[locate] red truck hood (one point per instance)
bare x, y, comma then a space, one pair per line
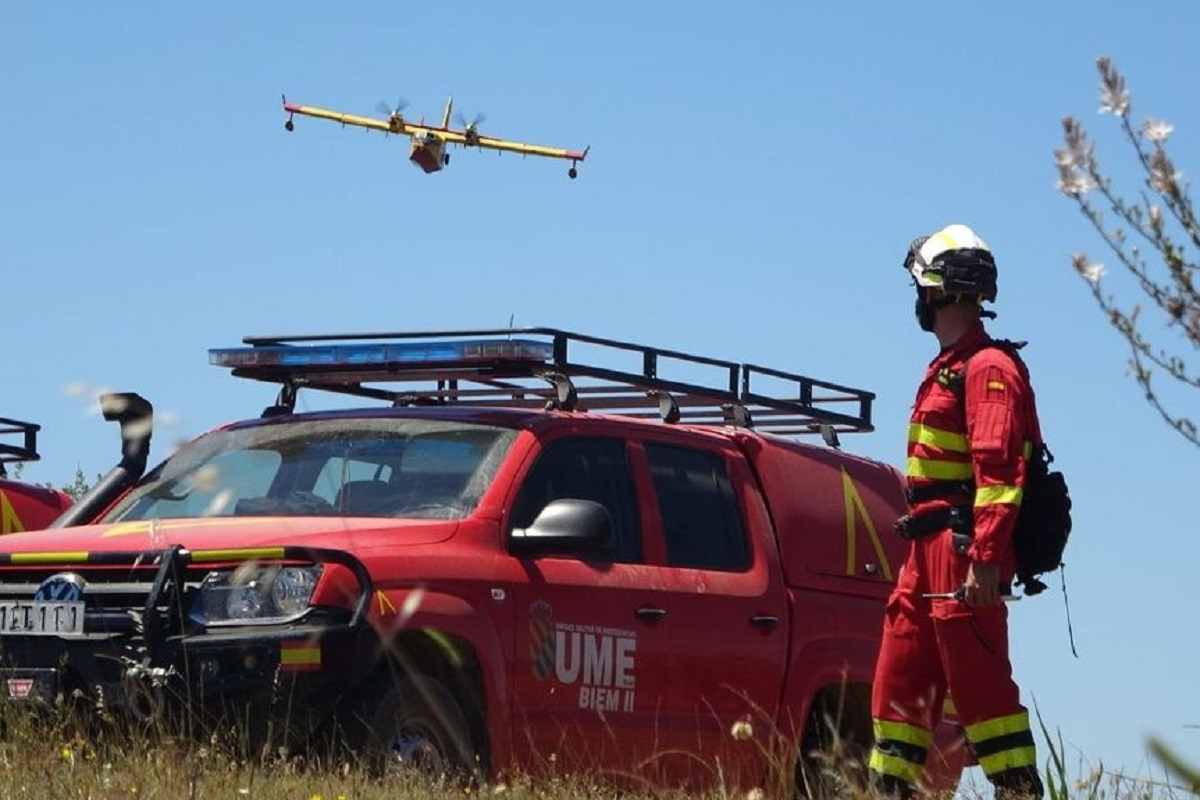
233, 532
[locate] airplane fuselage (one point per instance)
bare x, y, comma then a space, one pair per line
428, 152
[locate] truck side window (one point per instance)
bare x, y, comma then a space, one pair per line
701, 520
585, 468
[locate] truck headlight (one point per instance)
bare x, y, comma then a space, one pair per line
293, 588
255, 593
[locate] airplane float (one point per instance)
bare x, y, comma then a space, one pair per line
428, 143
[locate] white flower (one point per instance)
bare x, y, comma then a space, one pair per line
1157, 130
1114, 100
1090, 272
1114, 97
1163, 177
1073, 181
742, 730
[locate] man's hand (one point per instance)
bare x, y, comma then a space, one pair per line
982, 585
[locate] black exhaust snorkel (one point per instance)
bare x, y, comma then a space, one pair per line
136, 416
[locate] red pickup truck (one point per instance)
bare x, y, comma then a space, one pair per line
24, 506
529, 556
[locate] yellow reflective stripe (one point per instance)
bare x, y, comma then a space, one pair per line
48, 558
896, 767
235, 554
935, 437
1008, 759
938, 470
993, 495
1027, 451
902, 732
1000, 726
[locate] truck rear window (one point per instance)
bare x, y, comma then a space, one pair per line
325, 468
701, 520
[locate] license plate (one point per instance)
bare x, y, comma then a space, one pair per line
29, 685
39, 618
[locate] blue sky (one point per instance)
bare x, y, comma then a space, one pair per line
756, 174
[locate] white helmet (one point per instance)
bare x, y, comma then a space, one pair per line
955, 260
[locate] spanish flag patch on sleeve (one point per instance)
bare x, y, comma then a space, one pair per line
995, 384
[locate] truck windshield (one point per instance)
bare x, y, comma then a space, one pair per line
324, 468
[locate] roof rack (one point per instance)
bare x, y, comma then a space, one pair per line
26, 451
547, 368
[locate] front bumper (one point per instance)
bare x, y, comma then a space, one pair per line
148, 660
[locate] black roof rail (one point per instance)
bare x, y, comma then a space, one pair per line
537, 367
27, 450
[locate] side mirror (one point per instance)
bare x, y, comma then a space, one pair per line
566, 526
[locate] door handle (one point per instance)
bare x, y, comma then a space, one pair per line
766, 622
650, 614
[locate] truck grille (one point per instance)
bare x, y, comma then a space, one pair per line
116, 600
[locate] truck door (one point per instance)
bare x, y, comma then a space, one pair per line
579, 674
721, 637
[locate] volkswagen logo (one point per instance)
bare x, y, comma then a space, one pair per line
65, 587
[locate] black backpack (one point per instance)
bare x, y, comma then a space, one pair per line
1044, 521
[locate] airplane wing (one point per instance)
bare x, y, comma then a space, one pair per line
450, 135
504, 145
345, 119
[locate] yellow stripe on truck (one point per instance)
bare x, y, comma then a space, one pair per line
48, 558
237, 554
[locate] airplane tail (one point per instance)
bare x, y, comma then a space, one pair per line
446, 116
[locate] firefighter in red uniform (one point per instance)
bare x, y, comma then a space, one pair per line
968, 441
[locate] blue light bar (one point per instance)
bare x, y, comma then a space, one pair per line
383, 354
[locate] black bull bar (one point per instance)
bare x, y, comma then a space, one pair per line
162, 630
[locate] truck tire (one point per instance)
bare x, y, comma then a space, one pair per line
835, 747
411, 723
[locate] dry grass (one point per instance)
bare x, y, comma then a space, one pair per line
56, 756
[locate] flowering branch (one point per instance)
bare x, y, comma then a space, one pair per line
1140, 226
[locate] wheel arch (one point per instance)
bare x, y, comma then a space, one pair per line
828, 704
454, 663
449, 641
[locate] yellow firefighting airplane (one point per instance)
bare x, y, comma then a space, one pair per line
428, 149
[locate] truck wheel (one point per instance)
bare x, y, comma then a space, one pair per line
825, 776
411, 724
835, 746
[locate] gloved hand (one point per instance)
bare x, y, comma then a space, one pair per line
982, 585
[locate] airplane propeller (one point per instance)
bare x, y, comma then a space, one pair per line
388, 111
473, 125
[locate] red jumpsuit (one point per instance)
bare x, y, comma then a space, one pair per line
983, 433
